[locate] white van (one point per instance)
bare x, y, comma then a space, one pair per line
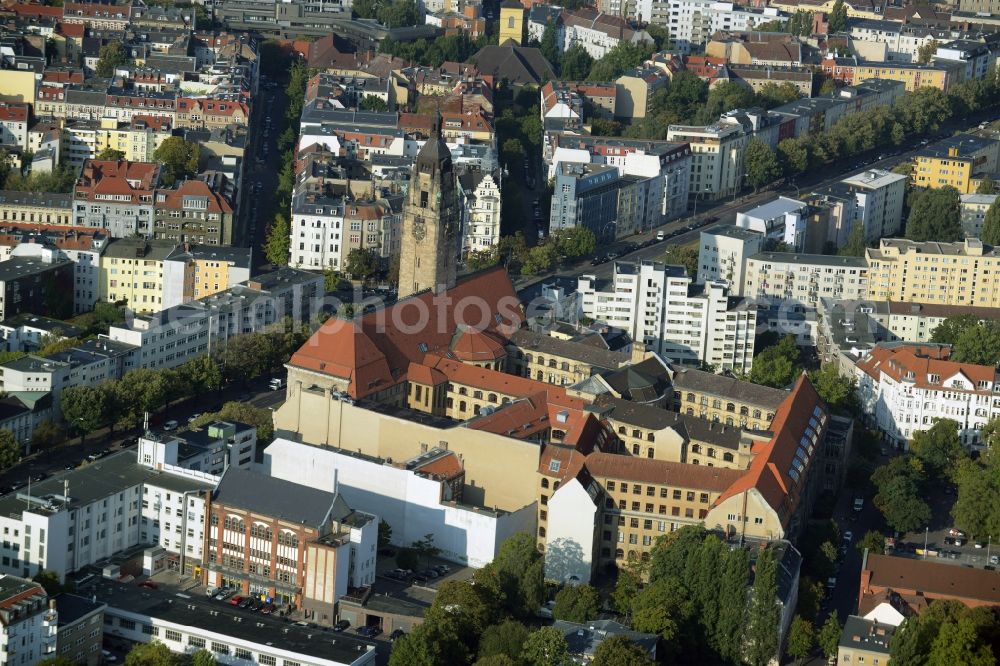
660, 236
276, 384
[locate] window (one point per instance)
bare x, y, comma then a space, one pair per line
196, 643
243, 653
172, 635
267, 660
220, 648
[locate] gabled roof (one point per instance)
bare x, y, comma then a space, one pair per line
633, 468
276, 498
917, 364
780, 466
517, 64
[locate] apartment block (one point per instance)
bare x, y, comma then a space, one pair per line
634, 91
117, 197
192, 272
80, 628
937, 273
723, 251
722, 399
953, 161
41, 285
941, 74
14, 125
586, 195
29, 626
716, 158
193, 213
132, 270
782, 220
785, 278
211, 450
36, 207
904, 388
693, 22
974, 207
658, 305
879, 197
554, 360
295, 544
479, 192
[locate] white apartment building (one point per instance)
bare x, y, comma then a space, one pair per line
716, 157
317, 228
211, 450
693, 22
86, 515
85, 253
879, 195
597, 32
802, 279
479, 193
173, 336
658, 305
14, 125
782, 219
414, 503
905, 388
722, 255
974, 207
28, 626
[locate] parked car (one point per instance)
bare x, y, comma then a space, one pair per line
396, 633
831, 582
238, 600
170, 425
224, 593
545, 610
212, 591
341, 625
268, 609
194, 417
994, 559
109, 658
661, 236
441, 568
956, 532
859, 503
954, 541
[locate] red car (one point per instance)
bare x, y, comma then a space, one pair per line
149, 585
235, 600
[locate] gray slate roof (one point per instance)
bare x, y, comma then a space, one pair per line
728, 387
277, 498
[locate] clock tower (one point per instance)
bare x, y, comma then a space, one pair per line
430, 221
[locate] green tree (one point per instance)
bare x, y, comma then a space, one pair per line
761, 164
496, 660
549, 46
979, 344
873, 542
987, 186
259, 417
201, 374
927, 51
856, 242
49, 582
575, 242
361, 264
151, 654
407, 558
935, 215
46, 436
725, 635
991, 224
577, 603
620, 651
202, 658
838, 17
363, 9
774, 94
793, 156
111, 155
506, 638
384, 534
764, 613
56, 661
915, 637
828, 638
900, 497
469, 607
414, 649
618, 60
109, 57
518, 567
545, 647
949, 330
575, 63
801, 638
278, 243
961, 642
398, 13
85, 407
373, 103
605, 127
939, 447
139, 391
627, 586
538, 259
778, 365
682, 255
179, 159
837, 391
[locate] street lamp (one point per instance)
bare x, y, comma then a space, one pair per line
694, 213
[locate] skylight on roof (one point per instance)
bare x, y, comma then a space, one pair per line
422, 347
554, 465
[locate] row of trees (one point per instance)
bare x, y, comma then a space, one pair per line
62, 179
277, 244
563, 245
450, 48
122, 403
483, 620
390, 13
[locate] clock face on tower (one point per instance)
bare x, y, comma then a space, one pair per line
419, 229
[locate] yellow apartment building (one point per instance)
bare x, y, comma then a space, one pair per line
558, 361
725, 400
953, 162
940, 273
941, 75
138, 139
132, 271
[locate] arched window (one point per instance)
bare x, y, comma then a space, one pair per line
645, 557
730, 407
649, 452
541, 531
690, 397
475, 410
621, 430
461, 406
696, 448
728, 457
462, 391
510, 21
619, 553
635, 449
545, 482
564, 366
650, 438
756, 413
492, 397
690, 411
716, 404
744, 410
711, 453
632, 556
555, 486
552, 363
729, 420
695, 462
478, 395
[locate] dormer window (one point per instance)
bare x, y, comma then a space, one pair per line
934, 379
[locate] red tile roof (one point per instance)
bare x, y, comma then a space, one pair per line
972, 587
375, 351
104, 177
14, 113
74, 30
923, 361
193, 188
645, 470
445, 467
62, 76
769, 472
473, 345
